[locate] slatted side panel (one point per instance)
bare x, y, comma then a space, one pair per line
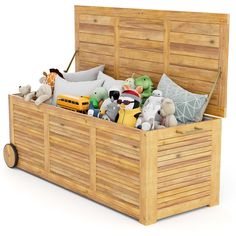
29, 136
95, 41
194, 56
140, 45
117, 169
69, 150
184, 168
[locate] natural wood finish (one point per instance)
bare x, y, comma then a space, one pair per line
215, 165
46, 142
190, 46
10, 155
146, 175
148, 178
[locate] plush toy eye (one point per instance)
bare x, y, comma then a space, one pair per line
144, 79
95, 92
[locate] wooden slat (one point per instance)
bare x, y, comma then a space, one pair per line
97, 58
141, 44
195, 28
96, 48
183, 184
183, 189
184, 148
173, 145
184, 168
153, 14
99, 39
140, 65
180, 138
194, 73
118, 191
191, 152
122, 205
194, 50
182, 195
134, 178
179, 159
183, 179
194, 62
141, 55
183, 207
146, 34
142, 24
102, 173
96, 29
97, 20
77, 166
185, 173
194, 39
184, 199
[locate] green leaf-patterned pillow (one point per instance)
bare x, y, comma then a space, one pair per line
189, 107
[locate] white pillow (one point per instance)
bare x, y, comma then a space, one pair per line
86, 75
109, 81
65, 87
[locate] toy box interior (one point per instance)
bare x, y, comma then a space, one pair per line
146, 175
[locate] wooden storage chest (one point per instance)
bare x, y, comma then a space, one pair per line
146, 175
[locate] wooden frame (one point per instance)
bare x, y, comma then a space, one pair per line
146, 175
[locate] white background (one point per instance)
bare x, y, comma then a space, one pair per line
35, 36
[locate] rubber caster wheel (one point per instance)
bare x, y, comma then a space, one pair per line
10, 155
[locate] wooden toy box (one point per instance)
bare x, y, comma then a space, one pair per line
146, 175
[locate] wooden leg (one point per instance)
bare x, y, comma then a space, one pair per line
215, 172
148, 179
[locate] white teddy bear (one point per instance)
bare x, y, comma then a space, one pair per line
149, 118
24, 90
43, 94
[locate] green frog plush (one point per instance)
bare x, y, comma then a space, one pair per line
96, 99
146, 83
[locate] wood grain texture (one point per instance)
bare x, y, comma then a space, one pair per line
190, 46
146, 175
148, 178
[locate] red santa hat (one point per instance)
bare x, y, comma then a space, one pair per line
132, 94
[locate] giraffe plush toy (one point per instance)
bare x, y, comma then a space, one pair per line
51, 77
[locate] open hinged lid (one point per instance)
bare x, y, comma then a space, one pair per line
189, 47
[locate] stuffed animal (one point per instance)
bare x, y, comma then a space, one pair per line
114, 94
43, 94
51, 77
24, 90
167, 113
130, 110
149, 118
111, 112
130, 82
96, 99
147, 84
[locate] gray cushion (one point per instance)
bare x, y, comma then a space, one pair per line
190, 107
65, 87
86, 75
110, 82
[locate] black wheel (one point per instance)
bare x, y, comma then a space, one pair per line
10, 155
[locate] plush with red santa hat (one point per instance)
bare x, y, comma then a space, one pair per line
129, 102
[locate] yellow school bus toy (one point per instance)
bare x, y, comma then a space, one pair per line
79, 104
